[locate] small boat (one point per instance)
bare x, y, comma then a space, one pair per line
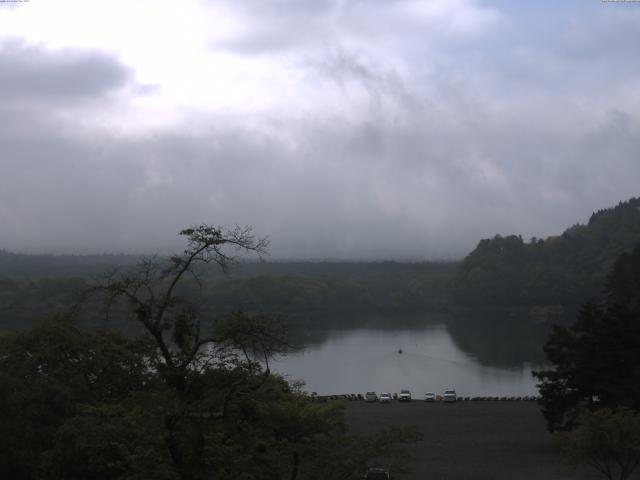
400, 351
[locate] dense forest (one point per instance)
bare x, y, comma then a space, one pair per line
500, 273
569, 269
598, 355
32, 286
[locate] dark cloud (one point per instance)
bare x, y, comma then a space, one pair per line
345, 69
376, 189
409, 145
32, 74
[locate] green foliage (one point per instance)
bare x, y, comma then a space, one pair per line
623, 287
27, 267
107, 441
568, 270
331, 288
47, 372
596, 361
607, 440
178, 403
298, 291
22, 301
82, 404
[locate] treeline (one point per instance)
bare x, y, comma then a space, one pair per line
22, 266
566, 270
501, 272
24, 301
336, 287
294, 290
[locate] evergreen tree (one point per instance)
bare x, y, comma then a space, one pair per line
569, 269
596, 361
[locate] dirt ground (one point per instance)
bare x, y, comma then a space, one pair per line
471, 440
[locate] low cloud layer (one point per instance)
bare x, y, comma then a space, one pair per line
405, 129
30, 74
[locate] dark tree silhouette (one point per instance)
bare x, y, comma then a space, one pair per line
150, 289
596, 361
606, 440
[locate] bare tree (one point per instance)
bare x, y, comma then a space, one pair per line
150, 289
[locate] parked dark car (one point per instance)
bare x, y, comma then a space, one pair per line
384, 398
377, 473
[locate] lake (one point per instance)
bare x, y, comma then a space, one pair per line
476, 360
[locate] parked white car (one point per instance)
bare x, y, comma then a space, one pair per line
405, 396
429, 397
450, 396
370, 397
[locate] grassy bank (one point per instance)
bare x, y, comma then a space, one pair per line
471, 440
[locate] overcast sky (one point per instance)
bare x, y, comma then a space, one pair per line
396, 129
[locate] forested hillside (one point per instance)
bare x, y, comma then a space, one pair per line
280, 288
336, 287
569, 269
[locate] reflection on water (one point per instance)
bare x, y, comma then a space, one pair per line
503, 341
478, 360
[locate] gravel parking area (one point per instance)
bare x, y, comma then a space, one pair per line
471, 440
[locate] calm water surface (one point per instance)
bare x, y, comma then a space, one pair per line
360, 360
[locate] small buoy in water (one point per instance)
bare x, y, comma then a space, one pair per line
400, 351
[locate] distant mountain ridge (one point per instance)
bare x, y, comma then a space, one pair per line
19, 265
569, 269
